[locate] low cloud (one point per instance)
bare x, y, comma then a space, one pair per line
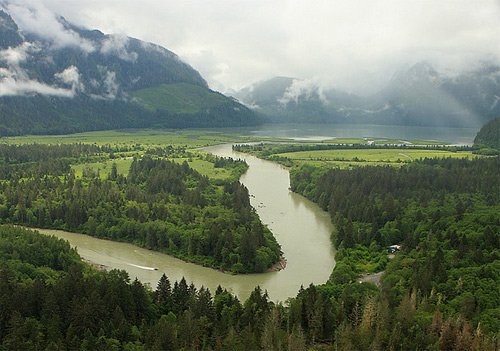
11, 85
110, 84
118, 45
351, 45
14, 56
14, 80
34, 18
303, 88
70, 76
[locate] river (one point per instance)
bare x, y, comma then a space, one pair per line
301, 227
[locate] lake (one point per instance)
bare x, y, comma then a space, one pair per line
460, 136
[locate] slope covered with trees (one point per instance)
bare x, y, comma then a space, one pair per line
489, 135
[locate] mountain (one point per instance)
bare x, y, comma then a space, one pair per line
489, 135
419, 95
283, 99
71, 79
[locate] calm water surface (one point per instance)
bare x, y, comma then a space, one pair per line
460, 136
302, 229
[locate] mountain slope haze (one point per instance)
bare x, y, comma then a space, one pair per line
74, 79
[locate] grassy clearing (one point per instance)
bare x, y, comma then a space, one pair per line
104, 167
344, 164
369, 156
189, 138
123, 166
207, 168
136, 141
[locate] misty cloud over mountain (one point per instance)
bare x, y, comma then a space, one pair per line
47, 55
56, 77
419, 95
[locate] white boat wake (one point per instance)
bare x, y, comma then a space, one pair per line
143, 267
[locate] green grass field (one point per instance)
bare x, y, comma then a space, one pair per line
194, 138
123, 166
145, 137
207, 168
190, 138
363, 157
104, 167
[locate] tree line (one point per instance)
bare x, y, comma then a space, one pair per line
266, 150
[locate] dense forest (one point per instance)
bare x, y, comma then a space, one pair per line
442, 289
439, 292
160, 205
21, 115
50, 300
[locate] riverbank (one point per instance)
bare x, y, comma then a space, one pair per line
101, 267
278, 266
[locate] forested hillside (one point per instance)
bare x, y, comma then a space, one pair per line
489, 135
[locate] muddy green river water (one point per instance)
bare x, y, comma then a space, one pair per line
301, 227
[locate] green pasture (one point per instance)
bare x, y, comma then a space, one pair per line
189, 138
343, 164
207, 168
123, 166
104, 167
145, 137
369, 156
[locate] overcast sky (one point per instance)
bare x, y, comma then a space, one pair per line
350, 44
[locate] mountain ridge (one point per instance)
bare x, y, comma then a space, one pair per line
419, 96
74, 79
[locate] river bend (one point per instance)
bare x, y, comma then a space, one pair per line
302, 229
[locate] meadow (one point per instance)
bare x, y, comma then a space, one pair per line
188, 138
369, 156
134, 142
